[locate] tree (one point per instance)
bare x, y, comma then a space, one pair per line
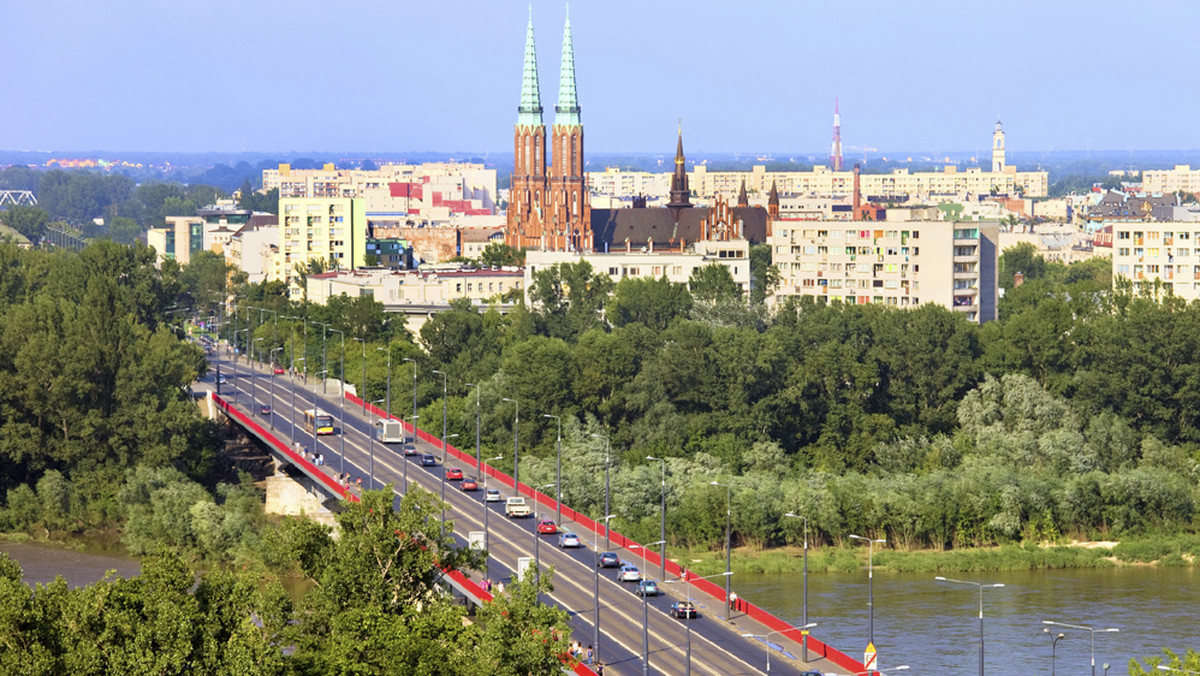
653, 303
764, 276
498, 253
1021, 257
568, 298
712, 283
29, 221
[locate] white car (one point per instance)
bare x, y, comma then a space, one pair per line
569, 540
629, 573
493, 495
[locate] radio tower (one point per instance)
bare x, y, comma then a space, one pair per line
835, 153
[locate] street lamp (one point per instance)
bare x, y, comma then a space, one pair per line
1088, 629
728, 523
478, 456
414, 415
325, 357
607, 463
537, 540
271, 418
870, 585
486, 542
981, 588
388, 405
798, 516
253, 385
687, 620
363, 394
342, 397
371, 465
766, 638
662, 526
294, 360
645, 609
516, 442
596, 588
558, 490
1053, 646
443, 374
414, 426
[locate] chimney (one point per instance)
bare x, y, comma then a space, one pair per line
1018, 279
857, 192
651, 245
628, 246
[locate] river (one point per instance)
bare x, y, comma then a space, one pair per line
934, 626
42, 563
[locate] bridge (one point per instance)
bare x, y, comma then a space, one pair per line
751, 641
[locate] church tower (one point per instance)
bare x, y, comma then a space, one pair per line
569, 222
998, 148
528, 187
680, 193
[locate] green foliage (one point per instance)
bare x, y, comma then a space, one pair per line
498, 253
764, 276
713, 283
29, 221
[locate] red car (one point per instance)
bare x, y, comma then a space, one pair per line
468, 484
279, 370
547, 527
454, 474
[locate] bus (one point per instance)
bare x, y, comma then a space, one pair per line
389, 431
318, 421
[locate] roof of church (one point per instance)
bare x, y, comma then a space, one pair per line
639, 226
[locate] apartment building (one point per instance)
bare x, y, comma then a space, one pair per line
329, 229
435, 286
1162, 255
1182, 177
253, 249
903, 264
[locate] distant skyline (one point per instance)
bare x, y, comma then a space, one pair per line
751, 77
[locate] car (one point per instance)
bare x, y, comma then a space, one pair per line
221, 380
629, 573
647, 588
811, 672
569, 540
410, 449
453, 474
265, 409
469, 484
684, 609
429, 460
607, 560
547, 527
279, 370
493, 495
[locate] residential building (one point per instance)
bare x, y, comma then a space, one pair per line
1158, 256
252, 250
328, 229
1181, 178
211, 229
903, 264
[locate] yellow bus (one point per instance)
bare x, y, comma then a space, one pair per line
318, 421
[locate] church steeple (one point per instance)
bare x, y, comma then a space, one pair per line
743, 200
679, 180
529, 113
567, 110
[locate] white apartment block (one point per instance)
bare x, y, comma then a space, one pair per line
1163, 181
903, 264
676, 266
435, 191
1167, 253
331, 229
612, 182
253, 250
422, 288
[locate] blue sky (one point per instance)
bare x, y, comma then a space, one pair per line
750, 76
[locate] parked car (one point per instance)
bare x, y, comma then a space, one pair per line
607, 560
569, 540
265, 409
493, 495
547, 527
647, 588
429, 460
629, 573
468, 484
454, 474
688, 609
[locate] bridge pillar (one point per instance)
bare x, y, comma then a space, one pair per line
297, 496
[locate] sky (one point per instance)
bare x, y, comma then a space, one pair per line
744, 77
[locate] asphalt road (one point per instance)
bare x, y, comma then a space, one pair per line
717, 648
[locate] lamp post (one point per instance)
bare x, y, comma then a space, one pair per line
687, 620
414, 426
388, 405
294, 360
766, 638
662, 525
486, 534
981, 588
537, 540
728, 559
596, 583
325, 352
253, 385
414, 415
363, 395
645, 610
798, 516
478, 456
607, 448
342, 397
443, 374
517, 443
1087, 629
1053, 646
371, 461
271, 418
870, 584
558, 452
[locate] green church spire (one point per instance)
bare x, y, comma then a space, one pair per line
567, 110
529, 113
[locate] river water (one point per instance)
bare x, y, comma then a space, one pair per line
41, 563
934, 626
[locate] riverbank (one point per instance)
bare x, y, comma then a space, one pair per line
1172, 551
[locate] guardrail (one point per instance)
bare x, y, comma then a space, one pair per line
815, 646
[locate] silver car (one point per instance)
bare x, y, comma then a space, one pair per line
629, 573
493, 495
568, 540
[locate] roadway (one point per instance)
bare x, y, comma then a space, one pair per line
717, 647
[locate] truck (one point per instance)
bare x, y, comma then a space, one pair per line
515, 508
389, 431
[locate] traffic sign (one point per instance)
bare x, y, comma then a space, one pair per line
869, 657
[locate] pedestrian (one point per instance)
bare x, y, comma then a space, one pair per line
358, 482
733, 600
591, 654
600, 669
